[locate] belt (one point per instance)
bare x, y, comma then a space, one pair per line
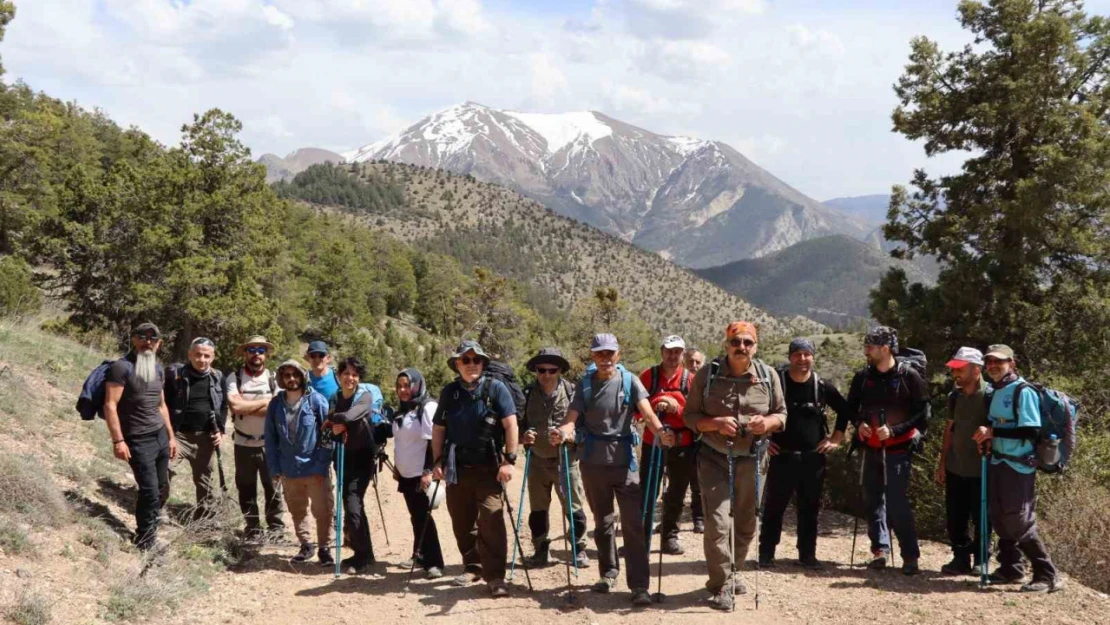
239, 432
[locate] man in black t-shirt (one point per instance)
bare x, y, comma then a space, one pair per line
139, 423
195, 396
798, 454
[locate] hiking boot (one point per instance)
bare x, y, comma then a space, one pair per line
998, 578
699, 526
721, 600
766, 561
672, 548
581, 559
541, 558
811, 563
640, 597
407, 564
324, 556
878, 562
738, 587
1040, 586
957, 566
604, 585
305, 554
433, 573
254, 535
353, 565
466, 579
909, 567
498, 589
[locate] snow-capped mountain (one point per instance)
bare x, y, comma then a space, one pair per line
699, 203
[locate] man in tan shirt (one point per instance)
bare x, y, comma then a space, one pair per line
734, 402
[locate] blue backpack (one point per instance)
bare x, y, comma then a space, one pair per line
90, 403
588, 384
376, 401
1057, 438
629, 437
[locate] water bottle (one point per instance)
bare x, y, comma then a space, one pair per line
1048, 452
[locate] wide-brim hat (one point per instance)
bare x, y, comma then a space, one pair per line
257, 339
467, 346
296, 364
548, 355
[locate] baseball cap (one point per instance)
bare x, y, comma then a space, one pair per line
1002, 352
147, 329
604, 342
965, 356
318, 347
673, 341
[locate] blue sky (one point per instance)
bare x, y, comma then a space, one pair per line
802, 87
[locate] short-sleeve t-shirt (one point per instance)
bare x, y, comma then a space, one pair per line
138, 407
1001, 415
464, 414
607, 416
254, 387
327, 384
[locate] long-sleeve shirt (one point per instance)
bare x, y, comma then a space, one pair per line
903, 398
744, 396
807, 423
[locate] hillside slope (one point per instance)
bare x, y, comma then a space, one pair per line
482, 223
826, 279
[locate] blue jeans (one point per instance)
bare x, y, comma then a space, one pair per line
891, 507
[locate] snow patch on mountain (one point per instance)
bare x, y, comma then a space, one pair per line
562, 129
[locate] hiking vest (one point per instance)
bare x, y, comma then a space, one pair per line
628, 436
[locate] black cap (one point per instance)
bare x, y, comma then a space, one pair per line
318, 347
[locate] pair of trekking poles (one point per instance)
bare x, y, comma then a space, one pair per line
340, 463
862, 464
759, 446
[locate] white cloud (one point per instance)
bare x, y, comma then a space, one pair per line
806, 96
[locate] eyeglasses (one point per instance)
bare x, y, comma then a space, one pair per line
257, 350
467, 360
739, 342
547, 370
290, 374
149, 338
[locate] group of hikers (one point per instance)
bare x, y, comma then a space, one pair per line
706, 428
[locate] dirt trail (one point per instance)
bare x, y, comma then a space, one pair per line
270, 589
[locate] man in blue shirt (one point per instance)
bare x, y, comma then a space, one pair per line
474, 439
1015, 422
322, 377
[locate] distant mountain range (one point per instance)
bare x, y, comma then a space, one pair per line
698, 203
870, 208
827, 279
278, 168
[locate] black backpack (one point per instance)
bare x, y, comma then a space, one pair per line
503, 372
656, 382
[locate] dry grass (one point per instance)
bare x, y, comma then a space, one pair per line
29, 492
30, 608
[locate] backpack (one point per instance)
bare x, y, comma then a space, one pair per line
784, 370
489, 437
629, 436
270, 376
761, 367
909, 358
90, 403
683, 384
376, 400
501, 371
1059, 414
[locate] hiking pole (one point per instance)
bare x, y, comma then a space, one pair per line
571, 599
658, 597
417, 553
516, 533
731, 525
520, 509
886, 494
381, 512
340, 452
855, 523
758, 509
219, 455
984, 529
654, 468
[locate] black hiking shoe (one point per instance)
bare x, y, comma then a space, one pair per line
1040, 586
541, 558
672, 548
640, 597
766, 561
305, 554
878, 562
909, 567
699, 526
324, 556
604, 585
811, 563
999, 578
354, 565
957, 566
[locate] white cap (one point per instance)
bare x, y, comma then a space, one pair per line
674, 341
965, 356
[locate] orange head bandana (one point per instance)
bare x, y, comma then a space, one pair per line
741, 327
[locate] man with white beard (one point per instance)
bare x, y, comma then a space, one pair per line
139, 423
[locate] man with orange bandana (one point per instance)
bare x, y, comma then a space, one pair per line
734, 402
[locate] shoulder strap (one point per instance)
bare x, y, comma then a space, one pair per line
587, 390
952, 398
684, 384
714, 367
816, 389
654, 380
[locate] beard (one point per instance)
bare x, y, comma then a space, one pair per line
146, 366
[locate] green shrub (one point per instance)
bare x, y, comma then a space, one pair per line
18, 294
13, 538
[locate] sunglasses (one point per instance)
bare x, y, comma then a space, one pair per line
547, 370
995, 360
290, 374
150, 338
315, 355
257, 350
739, 342
467, 360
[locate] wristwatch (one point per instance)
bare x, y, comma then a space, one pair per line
510, 458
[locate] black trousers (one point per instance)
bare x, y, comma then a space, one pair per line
431, 554
358, 473
1012, 499
962, 506
790, 473
250, 468
150, 462
681, 467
